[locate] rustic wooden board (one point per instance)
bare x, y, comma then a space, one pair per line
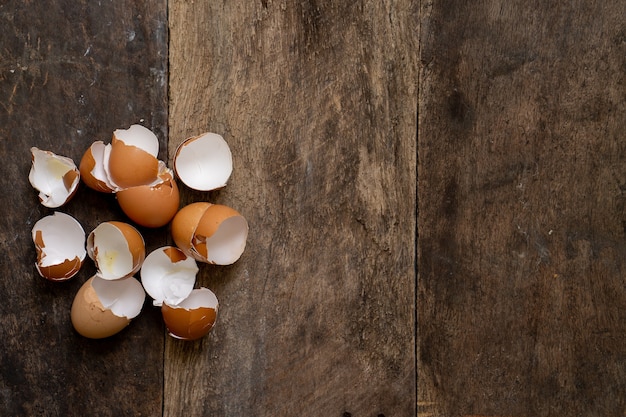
71, 72
318, 103
522, 179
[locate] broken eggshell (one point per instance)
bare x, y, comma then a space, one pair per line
151, 205
210, 233
193, 317
92, 170
117, 249
60, 243
167, 274
203, 162
55, 177
131, 159
103, 308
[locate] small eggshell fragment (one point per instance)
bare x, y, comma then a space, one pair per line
151, 205
203, 162
55, 177
103, 308
210, 233
193, 317
92, 169
60, 243
167, 274
117, 249
132, 158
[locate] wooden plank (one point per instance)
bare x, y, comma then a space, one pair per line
522, 179
318, 103
70, 73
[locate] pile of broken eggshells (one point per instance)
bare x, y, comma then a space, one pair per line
146, 191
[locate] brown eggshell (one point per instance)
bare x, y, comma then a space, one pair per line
185, 223
88, 165
90, 319
126, 239
130, 166
60, 244
150, 206
191, 323
59, 272
135, 241
211, 220
203, 162
56, 177
195, 227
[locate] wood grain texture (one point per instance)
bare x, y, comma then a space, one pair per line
71, 72
522, 179
318, 103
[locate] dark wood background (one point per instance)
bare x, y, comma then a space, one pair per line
500, 294
522, 192
71, 72
318, 103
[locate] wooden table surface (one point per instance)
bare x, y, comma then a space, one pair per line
436, 194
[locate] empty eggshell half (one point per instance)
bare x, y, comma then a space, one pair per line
210, 233
151, 205
117, 249
92, 169
55, 177
131, 159
193, 317
103, 308
167, 274
203, 162
60, 243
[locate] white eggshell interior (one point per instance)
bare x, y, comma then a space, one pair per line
63, 237
165, 280
108, 248
228, 243
140, 137
204, 163
201, 297
46, 176
124, 297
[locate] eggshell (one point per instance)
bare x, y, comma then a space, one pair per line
185, 223
151, 205
210, 233
132, 158
117, 249
192, 318
203, 162
55, 177
60, 243
103, 308
92, 169
168, 274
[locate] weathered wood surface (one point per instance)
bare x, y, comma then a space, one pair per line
521, 205
318, 103
70, 73
522, 179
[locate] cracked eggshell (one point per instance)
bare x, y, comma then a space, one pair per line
103, 308
117, 249
60, 243
151, 205
55, 177
167, 274
132, 158
210, 233
92, 169
193, 317
203, 162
